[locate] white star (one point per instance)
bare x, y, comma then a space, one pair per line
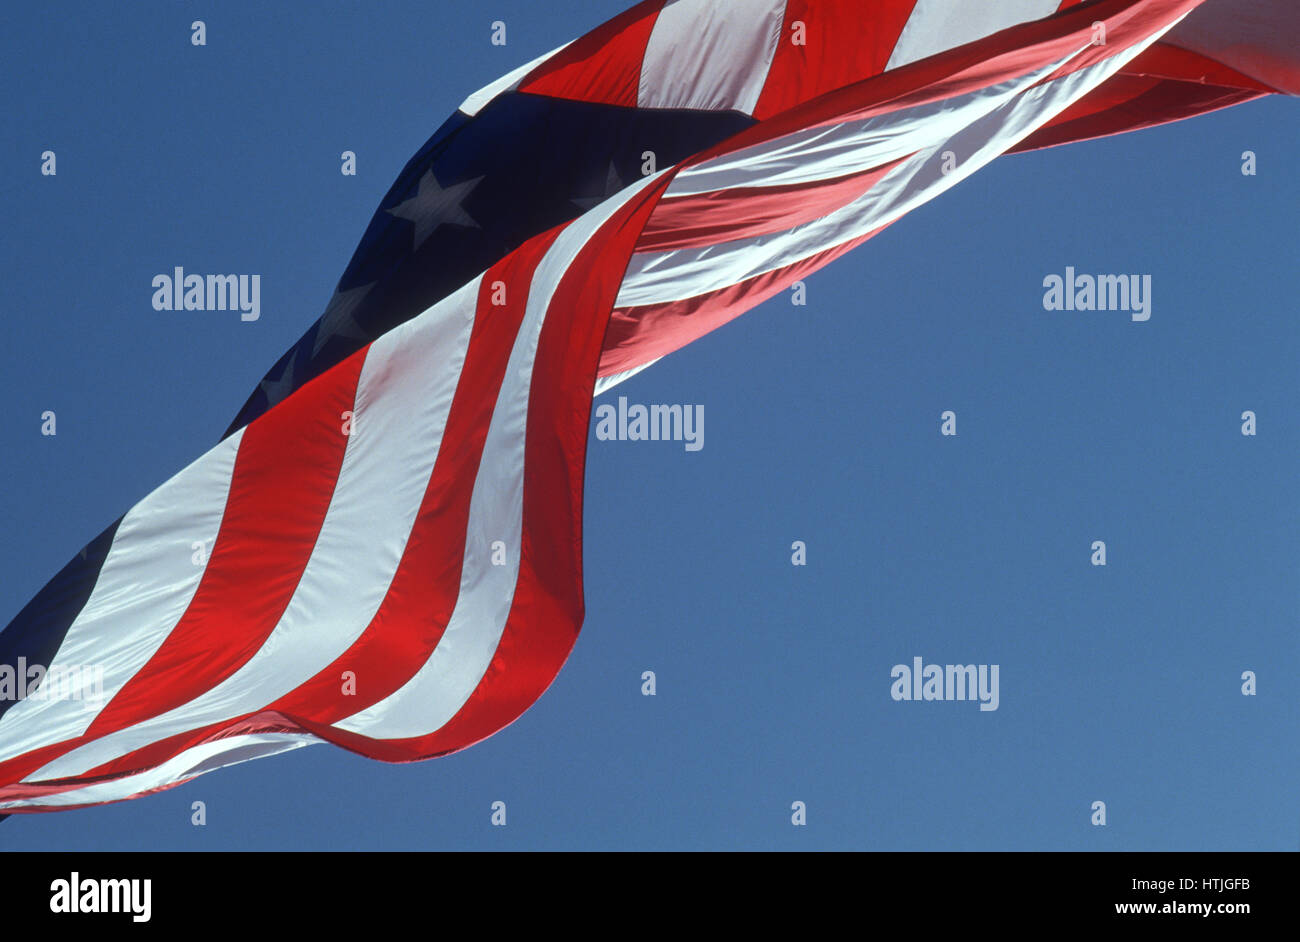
613, 183
279, 389
434, 205
337, 321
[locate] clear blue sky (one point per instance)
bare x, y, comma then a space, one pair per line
1119, 684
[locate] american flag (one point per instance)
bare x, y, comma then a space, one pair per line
385, 551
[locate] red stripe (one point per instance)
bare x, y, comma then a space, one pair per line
1162, 84
1171, 62
603, 66
547, 608
640, 334
1117, 92
705, 219
1258, 37
843, 44
1005, 55
23, 791
20, 792
283, 480
1132, 103
410, 622
419, 603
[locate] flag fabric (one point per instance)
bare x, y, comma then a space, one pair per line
672, 79
384, 552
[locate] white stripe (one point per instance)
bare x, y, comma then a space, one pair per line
479, 100
819, 153
710, 55
830, 151
195, 761
445, 681
403, 397
144, 587
939, 25
976, 128
606, 383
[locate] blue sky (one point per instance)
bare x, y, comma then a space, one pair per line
1119, 684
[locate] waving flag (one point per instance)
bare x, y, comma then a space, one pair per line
384, 552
